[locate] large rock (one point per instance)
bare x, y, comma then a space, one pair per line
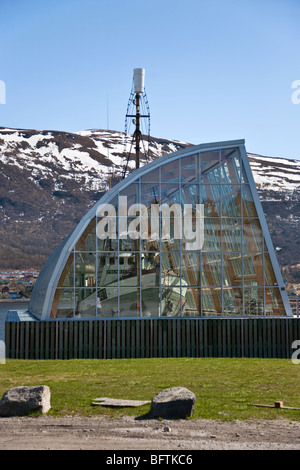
21, 401
173, 403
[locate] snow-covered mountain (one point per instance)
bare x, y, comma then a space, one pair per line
278, 184
49, 179
274, 173
86, 156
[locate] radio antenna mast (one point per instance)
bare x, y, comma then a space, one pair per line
137, 110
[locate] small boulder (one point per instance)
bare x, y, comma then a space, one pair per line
173, 403
20, 401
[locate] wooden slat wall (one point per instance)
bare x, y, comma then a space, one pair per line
189, 337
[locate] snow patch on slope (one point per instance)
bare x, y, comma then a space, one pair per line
90, 156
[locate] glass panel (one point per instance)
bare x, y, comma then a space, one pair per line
216, 191
130, 301
210, 197
189, 168
108, 244
193, 231
231, 200
85, 269
230, 165
150, 194
228, 278
274, 304
151, 176
212, 268
225, 176
130, 232
85, 303
212, 302
190, 194
170, 193
171, 228
249, 209
133, 227
87, 240
253, 301
107, 302
151, 269
252, 235
232, 234
192, 305
212, 234
227, 189
236, 160
67, 276
171, 301
170, 268
107, 269
138, 228
234, 263
132, 194
270, 278
232, 301
150, 302
191, 268
244, 178
170, 172
151, 239
130, 266
253, 270
209, 167
63, 304
170, 245
107, 233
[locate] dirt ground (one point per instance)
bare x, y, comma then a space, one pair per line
128, 433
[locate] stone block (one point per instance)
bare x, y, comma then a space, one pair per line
173, 403
20, 401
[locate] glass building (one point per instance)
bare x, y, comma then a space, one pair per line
133, 255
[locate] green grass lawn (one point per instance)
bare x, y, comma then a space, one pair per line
225, 388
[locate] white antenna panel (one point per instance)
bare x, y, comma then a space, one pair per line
139, 80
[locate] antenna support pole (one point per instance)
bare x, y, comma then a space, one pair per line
137, 132
137, 102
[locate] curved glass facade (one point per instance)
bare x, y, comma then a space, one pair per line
132, 256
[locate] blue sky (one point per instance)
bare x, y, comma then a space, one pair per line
215, 69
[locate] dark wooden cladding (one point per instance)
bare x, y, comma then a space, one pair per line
146, 338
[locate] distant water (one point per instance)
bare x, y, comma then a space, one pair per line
13, 305
4, 308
